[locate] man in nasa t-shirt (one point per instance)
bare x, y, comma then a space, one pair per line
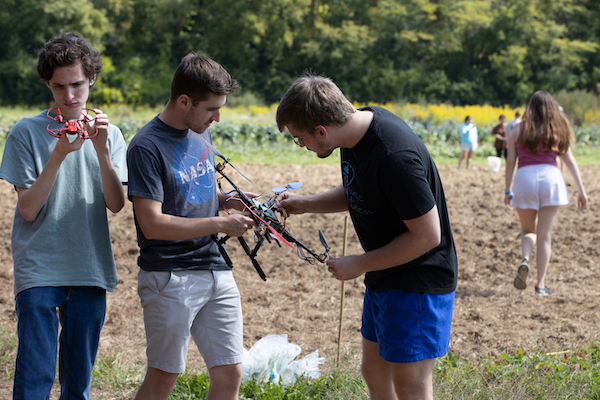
185, 286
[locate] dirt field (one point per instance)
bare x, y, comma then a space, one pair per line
303, 301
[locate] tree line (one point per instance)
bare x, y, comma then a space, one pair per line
457, 51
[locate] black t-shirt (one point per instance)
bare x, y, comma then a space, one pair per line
389, 177
176, 168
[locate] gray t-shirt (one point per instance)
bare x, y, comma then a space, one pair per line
68, 244
176, 168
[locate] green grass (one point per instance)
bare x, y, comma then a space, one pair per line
280, 153
340, 385
587, 155
561, 375
8, 350
288, 153
584, 155
568, 374
537, 375
520, 375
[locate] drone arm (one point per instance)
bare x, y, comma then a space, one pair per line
225, 201
292, 239
245, 198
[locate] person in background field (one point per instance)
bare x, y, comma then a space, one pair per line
499, 132
185, 286
395, 197
539, 187
512, 123
63, 259
468, 141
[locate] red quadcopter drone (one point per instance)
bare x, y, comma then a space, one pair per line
71, 126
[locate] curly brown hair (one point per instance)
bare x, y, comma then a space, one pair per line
65, 50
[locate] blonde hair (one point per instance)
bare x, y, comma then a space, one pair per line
545, 123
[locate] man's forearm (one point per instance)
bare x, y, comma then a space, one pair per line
333, 200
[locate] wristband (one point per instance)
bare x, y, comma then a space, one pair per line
509, 194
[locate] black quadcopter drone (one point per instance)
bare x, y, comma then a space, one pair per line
269, 227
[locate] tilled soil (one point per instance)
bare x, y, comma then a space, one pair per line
303, 300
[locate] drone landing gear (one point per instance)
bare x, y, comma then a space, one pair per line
251, 253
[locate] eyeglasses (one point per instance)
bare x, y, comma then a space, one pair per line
300, 140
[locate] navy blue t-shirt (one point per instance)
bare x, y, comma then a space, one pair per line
390, 177
176, 168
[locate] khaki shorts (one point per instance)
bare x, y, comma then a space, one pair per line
202, 304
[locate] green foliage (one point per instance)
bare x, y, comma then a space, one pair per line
26, 26
577, 103
269, 154
586, 155
117, 377
568, 374
129, 127
250, 142
571, 373
587, 135
8, 345
248, 132
465, 52
339, 385
190, 387
537, 375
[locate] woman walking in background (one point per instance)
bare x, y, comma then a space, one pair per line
539, 187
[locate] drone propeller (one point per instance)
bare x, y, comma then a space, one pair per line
225, 159
293, 186
324, 242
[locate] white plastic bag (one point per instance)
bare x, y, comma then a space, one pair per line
272, 357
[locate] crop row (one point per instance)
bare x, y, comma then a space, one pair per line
435, 136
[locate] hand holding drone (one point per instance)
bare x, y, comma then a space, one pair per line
72, 126
268, 226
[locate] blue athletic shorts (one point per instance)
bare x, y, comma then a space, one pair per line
408, 326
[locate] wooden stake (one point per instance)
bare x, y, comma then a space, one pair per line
343, 295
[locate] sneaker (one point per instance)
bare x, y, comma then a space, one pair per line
521, 279
543, 291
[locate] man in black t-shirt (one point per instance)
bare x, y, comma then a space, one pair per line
392, 190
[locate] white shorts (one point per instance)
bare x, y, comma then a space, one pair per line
202, 304
468, 147
538, 186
